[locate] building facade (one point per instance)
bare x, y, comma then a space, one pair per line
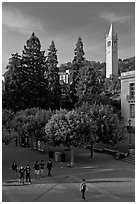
66, 76
128, 97
111, 53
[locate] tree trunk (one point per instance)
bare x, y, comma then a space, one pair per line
72, 156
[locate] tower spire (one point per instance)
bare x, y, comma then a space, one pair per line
111, 53
111, 31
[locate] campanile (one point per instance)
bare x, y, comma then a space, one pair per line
111, 53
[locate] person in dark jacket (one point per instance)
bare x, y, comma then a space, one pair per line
14, 169
36, 167
28, 177
49, 167
42, 164
21, 175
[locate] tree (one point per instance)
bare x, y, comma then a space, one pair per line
126, 65
7, 116
30, 124
34, 68
52, 76
12, 96
70, 128
65, 101
90, 83
112, 86
77, 62
109, 128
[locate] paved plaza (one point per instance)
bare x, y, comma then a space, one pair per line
108, 180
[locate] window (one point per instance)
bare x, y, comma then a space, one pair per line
132, 90
132, 110
114, 42
108, 43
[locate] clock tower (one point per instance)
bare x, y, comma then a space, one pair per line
111, 53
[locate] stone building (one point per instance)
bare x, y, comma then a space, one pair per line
128, 97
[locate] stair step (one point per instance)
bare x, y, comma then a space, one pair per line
130, 159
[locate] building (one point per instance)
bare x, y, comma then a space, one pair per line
66, 76
111, 53
128, 97
3, 86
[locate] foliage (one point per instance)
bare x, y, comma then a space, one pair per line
34, 67
25, 82
7, 116
109, 128
52, 76
31, 123
77, 64
65, 101
126, 65
70, 128
112, 86
65, 66
13, 89
90, 86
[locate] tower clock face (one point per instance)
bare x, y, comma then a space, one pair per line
109, 43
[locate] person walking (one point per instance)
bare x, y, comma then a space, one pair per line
83, 188
28, 177
49, 167
42, 164
21, 175
14, 170
36, 167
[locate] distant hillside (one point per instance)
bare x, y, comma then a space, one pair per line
123, 65
126, 64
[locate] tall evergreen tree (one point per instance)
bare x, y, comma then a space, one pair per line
13, 88
53, 77
78, 62
34, 69
90, 83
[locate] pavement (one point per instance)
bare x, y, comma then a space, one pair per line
108, 180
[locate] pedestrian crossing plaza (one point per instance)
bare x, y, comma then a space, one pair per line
66, 189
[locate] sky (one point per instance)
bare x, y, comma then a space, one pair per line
64, 22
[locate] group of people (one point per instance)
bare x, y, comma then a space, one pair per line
22, 172
38, 170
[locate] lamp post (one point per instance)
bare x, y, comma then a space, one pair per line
129, 132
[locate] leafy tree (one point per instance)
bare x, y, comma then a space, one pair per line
30, 124
126, 65
70, 128
53, 77
7, 116
112, 86
18, 125
109, 128
34, 68
65, 66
